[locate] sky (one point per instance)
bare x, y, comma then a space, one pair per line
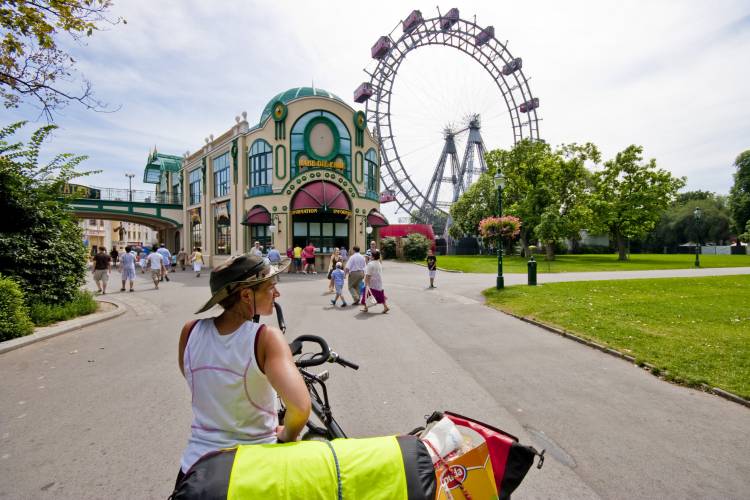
671, 76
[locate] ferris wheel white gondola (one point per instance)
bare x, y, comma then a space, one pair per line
448, 30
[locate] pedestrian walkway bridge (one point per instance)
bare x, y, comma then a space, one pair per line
159, 211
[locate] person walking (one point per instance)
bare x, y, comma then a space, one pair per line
297, 258
156, 264
102, 268
237, 369
335, 259
197, 260
368, 253
344, 254
310, 259
290, 256
256, 250
182, 257
337, 276
127, 267
274, 256
431, 267
355, 272
166, 260
374, 283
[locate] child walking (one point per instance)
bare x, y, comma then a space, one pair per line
337, 275
431, 267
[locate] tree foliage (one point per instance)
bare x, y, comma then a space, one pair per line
677, 225
630, 196
739, 195
415, 246
41, 244
477, 203
32, 66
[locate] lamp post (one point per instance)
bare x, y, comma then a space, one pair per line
500, 184
130, 186
697, 215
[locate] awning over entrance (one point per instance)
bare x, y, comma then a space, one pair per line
257, 215
320, 197
376, 219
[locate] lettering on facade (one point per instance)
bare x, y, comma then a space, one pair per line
308, 211
319, 163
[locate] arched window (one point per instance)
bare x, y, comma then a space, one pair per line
339, 140
371, 172
259, 168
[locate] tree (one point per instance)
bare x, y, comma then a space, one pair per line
477, 203
739, 195
630, 196
567, 211
677, 224
31, 64
41, 244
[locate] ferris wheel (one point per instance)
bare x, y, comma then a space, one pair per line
479, 43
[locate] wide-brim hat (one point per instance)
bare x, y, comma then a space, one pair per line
240, 271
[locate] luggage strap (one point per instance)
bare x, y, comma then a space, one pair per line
338, 471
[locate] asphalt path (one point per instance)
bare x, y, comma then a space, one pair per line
104, 412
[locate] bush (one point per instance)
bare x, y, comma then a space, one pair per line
416, 246
14, 316
388, 248
44, 314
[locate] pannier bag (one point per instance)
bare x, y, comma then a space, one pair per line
387, 468
473, 460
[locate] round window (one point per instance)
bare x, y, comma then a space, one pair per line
321, 139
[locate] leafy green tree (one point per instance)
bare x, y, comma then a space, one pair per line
31, 63
630, 196
566, 183
739, 195
41, 244
477, 203
677, 224
745, 237
416, 246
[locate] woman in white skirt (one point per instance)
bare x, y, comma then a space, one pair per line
197, 260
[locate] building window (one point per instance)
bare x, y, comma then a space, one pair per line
223, 228
259, 168
196, 228
324, 235
196, 186
176, 188
371, 172
297, 137
221, 175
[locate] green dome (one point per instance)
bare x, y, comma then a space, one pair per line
295, 93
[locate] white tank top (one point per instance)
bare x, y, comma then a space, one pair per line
233, 402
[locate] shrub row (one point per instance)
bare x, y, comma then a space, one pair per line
17, 319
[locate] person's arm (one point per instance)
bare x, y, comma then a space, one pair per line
183, 342
275, 359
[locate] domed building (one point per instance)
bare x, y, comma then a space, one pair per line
307, 171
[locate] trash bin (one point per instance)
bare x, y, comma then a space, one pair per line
531, 265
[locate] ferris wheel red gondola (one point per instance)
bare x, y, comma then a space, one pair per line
448, 30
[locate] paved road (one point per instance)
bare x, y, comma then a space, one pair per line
104, 412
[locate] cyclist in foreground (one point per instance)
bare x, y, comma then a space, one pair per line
235, 367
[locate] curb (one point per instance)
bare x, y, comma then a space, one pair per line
47, 332
613, 352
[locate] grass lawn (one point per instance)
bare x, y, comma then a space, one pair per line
697, 329
583, 263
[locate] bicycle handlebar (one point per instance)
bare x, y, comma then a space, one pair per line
326, 355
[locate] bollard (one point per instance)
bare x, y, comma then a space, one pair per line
532, 271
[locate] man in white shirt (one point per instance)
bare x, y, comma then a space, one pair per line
166, 260
256, 250
156, 263
355, 270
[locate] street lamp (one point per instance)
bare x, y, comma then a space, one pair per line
500, 184
697, 215
130, 186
